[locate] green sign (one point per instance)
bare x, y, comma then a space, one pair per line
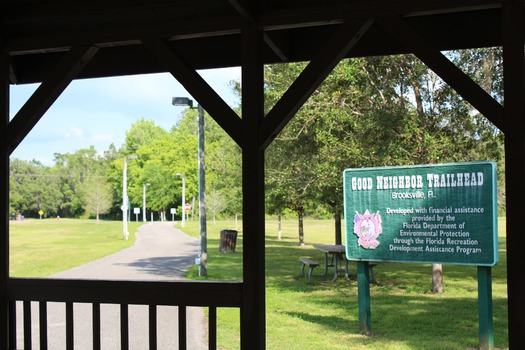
443, 213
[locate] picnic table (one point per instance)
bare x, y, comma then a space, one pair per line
337, 252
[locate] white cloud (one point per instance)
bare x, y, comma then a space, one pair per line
77, 132
101, 137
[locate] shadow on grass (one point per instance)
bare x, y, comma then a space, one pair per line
417, 322
403, 309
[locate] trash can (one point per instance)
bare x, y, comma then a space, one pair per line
228, 241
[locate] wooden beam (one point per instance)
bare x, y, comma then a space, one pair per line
197, 87
514, 85
4, 199
346, 37
253, 311
447, 70
244, 9
278, 44
248, 13
179, 293
96, 27
46, 94
321, 14
12, 75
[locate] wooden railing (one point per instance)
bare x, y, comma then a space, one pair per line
211, 294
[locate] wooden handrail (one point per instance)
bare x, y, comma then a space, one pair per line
211, 294
177, 293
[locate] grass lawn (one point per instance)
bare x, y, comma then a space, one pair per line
300, 314
323, 315
40, 248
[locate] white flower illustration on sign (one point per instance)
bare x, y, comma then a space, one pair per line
367, 227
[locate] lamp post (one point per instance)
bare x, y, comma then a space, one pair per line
125, 204
144, 201
203, 251
183, 209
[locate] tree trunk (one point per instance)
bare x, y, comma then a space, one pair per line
279, 234
301, 227
437, 279
338, 231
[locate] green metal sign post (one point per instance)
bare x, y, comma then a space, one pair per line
443, 214
363, 297
486, 327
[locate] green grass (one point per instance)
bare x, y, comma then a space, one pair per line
323, 315
40, 248
300, 314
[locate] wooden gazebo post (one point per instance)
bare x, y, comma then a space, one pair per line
4, 198
253, 311
514, 72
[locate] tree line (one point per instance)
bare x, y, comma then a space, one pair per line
377, 111
89, 184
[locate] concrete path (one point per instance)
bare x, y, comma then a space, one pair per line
161, 252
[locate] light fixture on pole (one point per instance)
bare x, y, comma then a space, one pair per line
203, 251
144, 201
125, 201
183, 209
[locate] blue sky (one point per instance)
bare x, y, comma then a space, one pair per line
99, 111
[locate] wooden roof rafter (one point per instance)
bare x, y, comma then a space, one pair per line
343, 40
46, 94
197, 87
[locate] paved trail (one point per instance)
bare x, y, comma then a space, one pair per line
161, 253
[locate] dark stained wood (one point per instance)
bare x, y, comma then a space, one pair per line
152, 327
248, 13
124, 326
70, 327
182, 328
58, 79
12, 326
203, 293
346, 37
42, 324
96, 326
212, 328
253, 310
280, 45
245, 9
28, 335
514, 78
35, 32
6, 337
443, 67
197, 87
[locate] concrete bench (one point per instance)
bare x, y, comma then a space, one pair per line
311, 265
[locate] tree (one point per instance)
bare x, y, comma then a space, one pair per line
289, 163
380, 111
97, 197
141, 133
223, 167
33, 187
215, 203
290, 173
73, 170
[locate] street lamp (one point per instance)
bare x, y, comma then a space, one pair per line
183, 209
125, 202
203, 251
144, 201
